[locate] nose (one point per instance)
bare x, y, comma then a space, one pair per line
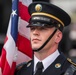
36, 32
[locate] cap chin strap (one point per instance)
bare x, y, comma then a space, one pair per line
46, 41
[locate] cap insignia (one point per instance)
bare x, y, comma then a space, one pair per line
38, 7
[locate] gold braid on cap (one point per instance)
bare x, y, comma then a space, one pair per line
49, 15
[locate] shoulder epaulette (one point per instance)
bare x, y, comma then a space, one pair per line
19, 66
71, 61
71, 69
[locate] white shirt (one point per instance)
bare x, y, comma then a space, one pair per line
47, 61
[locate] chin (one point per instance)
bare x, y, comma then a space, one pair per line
35, 48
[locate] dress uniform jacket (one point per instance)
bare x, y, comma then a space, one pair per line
58, 67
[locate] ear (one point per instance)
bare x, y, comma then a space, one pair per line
58, 36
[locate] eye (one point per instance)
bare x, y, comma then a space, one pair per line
43, 28
38, 28
32, 28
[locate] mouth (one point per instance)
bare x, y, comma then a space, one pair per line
36, 40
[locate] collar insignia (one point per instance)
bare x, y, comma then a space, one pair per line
58, 65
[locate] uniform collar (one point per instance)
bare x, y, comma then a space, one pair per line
47, 61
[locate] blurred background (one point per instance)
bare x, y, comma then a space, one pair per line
5, 10
68, 43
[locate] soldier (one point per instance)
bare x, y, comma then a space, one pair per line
46, 25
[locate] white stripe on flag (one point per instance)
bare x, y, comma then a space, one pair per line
22, 28
26, 2
22, 58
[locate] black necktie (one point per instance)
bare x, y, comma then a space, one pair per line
39, 67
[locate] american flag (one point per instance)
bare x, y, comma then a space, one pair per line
17, 48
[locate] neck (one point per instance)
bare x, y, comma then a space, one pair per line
42, 54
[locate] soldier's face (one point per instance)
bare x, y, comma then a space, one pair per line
39, 35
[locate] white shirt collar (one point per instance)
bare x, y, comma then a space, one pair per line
47, 61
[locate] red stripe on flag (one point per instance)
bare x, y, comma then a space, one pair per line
6, 69
13, 68
4, 64
24, 45
3, 59
23, 12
